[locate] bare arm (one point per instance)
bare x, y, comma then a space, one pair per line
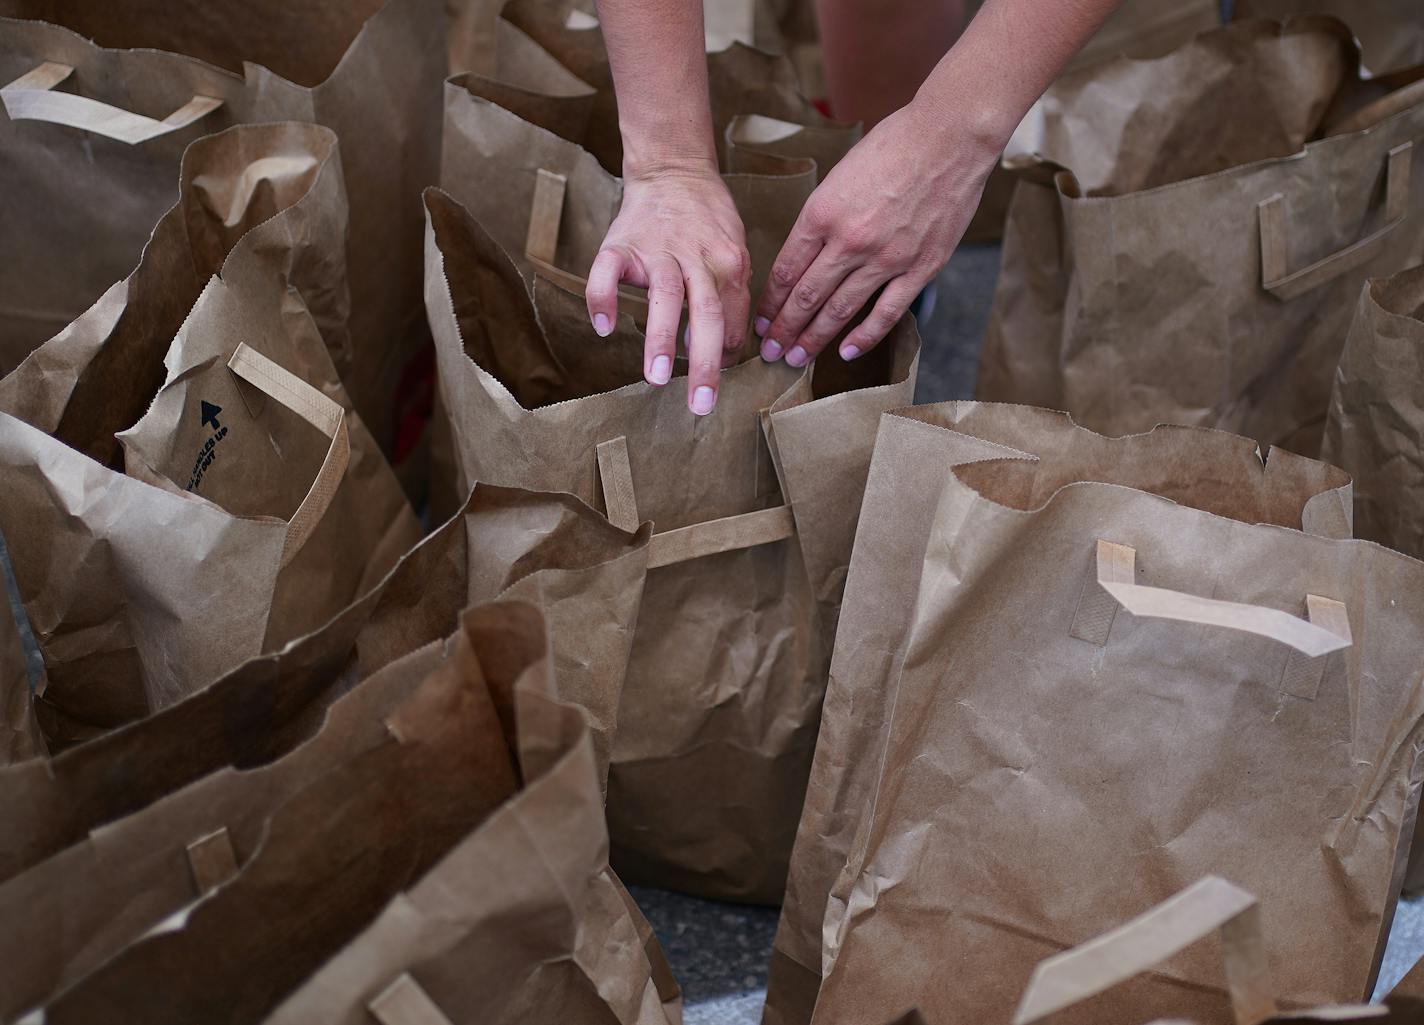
889, 215
677, 232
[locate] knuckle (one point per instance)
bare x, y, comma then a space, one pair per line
707, 367
805, 298
708, 306
887, 316
783, 275
856, 238
666, 290
839, 308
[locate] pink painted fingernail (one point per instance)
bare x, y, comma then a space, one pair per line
703, 399
600, 324
849, 352
797, 357
770, 350
661, 371
761, 326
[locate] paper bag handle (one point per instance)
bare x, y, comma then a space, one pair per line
1327, 630
746, 530
31, 97
316, 409
405, 1002
1208, 905
1283, 283
541, 243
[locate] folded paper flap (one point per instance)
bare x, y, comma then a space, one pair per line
32, 97
535, 342
1197, 467
1136, 947
1116, 575
1280, 281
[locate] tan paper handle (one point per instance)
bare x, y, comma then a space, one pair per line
316, 409
31, 98
745, 530
1116, 576
1281, 282
1136, 947
541, 243
405, 1002
212, 860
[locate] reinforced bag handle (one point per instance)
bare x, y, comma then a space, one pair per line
730, 533
1283, 283
317, 409
1136, 947
31, 97
1327, 630
405, 1002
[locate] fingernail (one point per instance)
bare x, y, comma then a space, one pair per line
600, 324
797, 357
761, 326
661, 372
703, 399
849, 352
770, 350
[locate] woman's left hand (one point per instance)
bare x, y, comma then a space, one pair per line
887, 216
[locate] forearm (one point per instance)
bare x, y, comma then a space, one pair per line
656, 51
1009, 54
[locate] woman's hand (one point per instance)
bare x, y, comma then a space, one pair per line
678, 233
887, 216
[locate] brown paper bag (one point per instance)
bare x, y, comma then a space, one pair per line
139, 588
1376, 422
549, 550
70, 913
1136, 29
741, 80
86, 201
913, 450
1376, 426
444, 944
19, 733
1111, 662
718, 718
1391, 32
368, 70
1077, 984
1190, 262
483, 758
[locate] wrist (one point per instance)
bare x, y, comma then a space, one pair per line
978, 130
657, 166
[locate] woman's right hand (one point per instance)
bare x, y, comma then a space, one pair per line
678, 233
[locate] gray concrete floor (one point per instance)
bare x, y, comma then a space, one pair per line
720, 951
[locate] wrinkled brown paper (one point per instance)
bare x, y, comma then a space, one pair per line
1100, 761
728, 664
1133, 289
